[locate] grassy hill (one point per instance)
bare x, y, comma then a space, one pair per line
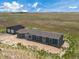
68, 23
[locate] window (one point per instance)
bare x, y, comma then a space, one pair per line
12, 31
34, 37
47, 40
40, 38
37, 38
54, 41
29, 36
44, 40
8, 30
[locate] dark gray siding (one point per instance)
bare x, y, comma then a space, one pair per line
13, 29
53, 40
21, 36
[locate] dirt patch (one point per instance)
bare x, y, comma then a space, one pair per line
12, 39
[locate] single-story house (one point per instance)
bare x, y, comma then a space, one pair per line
49, 38
13, 29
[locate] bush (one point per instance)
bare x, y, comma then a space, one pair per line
0, 49
20, 46
2, 30
71, 49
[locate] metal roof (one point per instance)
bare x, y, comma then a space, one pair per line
54, 35
16, 27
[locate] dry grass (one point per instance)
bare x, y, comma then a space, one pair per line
11, 52
59, 22
11, 40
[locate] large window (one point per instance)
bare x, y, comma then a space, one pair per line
39, 38
36, 38
47, 40
54, 41
33, 37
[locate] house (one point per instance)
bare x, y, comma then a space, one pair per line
13, 29
49, 38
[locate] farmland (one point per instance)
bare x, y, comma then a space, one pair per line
67, 23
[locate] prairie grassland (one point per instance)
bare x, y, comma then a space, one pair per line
68, 23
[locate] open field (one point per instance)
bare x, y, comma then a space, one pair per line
68, 23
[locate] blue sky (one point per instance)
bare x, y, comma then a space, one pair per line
39, 5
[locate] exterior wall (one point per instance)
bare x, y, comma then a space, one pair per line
40, 39
21, 36
18, 35
10, 31
43, 40
37, 38
34, 37
30, 37
13, 29
61, 41
27, 36
53, 42
7, 30
24, 36
47, 41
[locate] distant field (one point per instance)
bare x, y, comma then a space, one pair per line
58, 22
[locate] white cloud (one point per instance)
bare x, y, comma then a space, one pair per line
35, 5
24, 10
12, 7
38, 10
17, 7
62, 6
73, 7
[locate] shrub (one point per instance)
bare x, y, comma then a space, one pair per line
20, 46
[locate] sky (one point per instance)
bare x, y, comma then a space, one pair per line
39, 5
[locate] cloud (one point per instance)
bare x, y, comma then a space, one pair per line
17, 7
62, 6
35, 5
38, 10
73, 7
12, 7
24, 11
